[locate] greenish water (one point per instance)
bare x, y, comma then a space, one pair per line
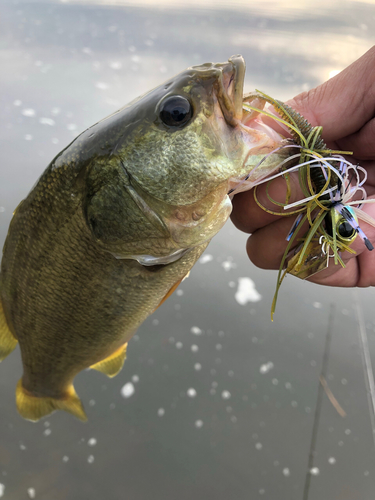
214, 399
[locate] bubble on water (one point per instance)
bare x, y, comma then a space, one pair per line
233, 419
17, 102
266, 367
275, 381
314, 471
47, 121
55, 110
47, 432
28, 112
179, 293
92, 442
232, 284
2, 489
161, 412
332, 460
127, 390
294, 404
348, 431
258, 446
262, 491
135, 58
288, 385
195, 330
199, 424
344, 381
191, 392
194, 348
197, 367
286, 472
317, 305
101, 85
71, 126
225, 395
90, 459
163, 68
31, 492
92, 402
22, 447
155, 322
28, 137
179, 345
205, 258
65, 458
231, 373
246, 292
55, 140
366, 473
135, 378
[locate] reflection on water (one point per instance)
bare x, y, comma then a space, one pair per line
214, 399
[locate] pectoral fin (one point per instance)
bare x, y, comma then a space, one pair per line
33, 407
7, 341
111, 365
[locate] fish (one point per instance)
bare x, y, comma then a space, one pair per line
116, 222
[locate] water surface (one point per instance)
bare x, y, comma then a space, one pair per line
215, 400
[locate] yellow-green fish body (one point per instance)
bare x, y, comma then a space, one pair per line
115, 222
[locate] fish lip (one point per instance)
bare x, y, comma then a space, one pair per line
229, 88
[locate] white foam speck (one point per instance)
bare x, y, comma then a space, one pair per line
127, 390
17, 102
55, 140
161, 412
225, 394
31, 492
2, 209
197, 367
317, 305
191, 392
2, 489
135, 378
286, 472
28, 112
205, 258
47, 432
90, 459
199, 424
179, 345
47, 121
262, 491
180, 293
314, 471
228, 265
258, 446
101, 85
266, 367
28, 137
55, 111
92, 442
65, 458
115, 65
194, 348
247, 292
332, 460
71, 126
195, 330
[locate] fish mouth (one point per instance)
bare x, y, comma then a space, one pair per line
229, 89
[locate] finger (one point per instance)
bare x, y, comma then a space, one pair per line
248, 216
343, 104
361, 143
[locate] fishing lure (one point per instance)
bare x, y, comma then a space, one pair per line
333, 190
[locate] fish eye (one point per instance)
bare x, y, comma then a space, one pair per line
176, 111
345, 230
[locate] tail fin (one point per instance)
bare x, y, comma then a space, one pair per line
7, 341
33, 407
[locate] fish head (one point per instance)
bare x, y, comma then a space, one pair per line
184, 145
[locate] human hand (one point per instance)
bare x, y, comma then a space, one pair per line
345, 107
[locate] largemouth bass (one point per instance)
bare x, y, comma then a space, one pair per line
115, 223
